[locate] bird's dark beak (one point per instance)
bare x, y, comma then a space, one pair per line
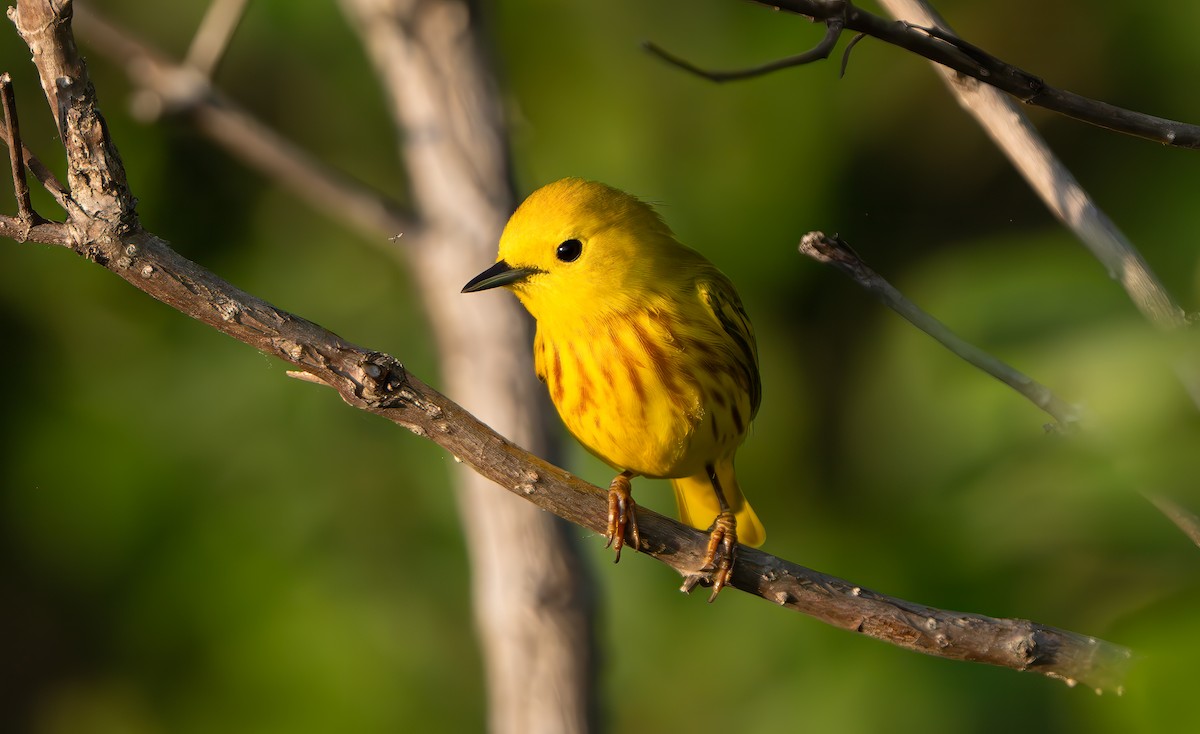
499, 274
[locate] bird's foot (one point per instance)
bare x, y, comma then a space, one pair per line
621, 515
721, 552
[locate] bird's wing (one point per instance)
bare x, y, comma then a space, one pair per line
725, 306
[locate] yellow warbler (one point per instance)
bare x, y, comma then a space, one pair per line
645, 349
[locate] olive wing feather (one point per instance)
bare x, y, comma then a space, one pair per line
726, 309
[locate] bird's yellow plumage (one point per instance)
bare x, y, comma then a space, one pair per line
645, 349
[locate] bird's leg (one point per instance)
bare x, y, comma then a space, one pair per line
621, 514
722, 540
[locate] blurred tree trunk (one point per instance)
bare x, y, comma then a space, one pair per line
532, 594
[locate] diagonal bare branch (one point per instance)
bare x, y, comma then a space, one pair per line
1186, 520
833, 251
181, 90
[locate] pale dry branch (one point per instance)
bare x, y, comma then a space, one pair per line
377, 383
532, 599
1015, 135
1186, 520
214, 34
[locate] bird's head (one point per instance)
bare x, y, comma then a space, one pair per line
577, 244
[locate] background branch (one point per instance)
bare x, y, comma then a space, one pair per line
973, 62
164, 85
1186, 520
532, 593
833, 251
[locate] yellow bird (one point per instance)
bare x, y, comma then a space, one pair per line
646, 351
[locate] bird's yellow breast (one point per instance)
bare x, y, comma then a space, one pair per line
643, 390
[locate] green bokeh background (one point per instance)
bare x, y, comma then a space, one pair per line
191, 542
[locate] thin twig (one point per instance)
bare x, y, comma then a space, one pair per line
833, 251
12, 137
816, 53
846, 54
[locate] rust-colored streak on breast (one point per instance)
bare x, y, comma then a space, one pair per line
555, 381
635, 377
583, 396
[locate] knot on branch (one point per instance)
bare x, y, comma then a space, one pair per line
1026, 648
384, 382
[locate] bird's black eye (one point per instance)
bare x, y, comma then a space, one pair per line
569, 250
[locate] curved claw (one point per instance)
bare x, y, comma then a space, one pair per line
721, 552
621, 515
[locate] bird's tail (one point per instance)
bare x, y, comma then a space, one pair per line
698, 504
